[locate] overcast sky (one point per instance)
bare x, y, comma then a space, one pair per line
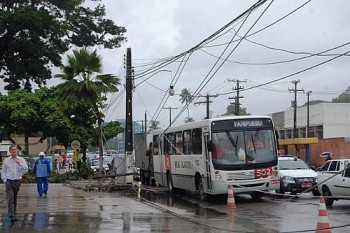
162, 29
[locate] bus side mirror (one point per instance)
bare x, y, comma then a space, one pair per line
210, 146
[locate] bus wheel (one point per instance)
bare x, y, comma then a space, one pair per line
170, 183
201, 193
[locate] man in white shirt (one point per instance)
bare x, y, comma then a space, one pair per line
12, 170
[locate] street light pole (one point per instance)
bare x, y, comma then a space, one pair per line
308, 114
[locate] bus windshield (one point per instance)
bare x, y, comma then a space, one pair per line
235, 147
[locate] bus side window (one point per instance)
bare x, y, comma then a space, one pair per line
178, 143
197, 141
187, 142
169, 144
156, 145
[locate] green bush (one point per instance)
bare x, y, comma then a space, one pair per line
85, 172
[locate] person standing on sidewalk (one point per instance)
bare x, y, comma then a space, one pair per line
12, 170
42, 171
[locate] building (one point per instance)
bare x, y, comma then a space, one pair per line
120, 139
328, 122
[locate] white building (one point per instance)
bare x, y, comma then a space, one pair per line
326, 120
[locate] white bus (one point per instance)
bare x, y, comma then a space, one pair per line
208, 155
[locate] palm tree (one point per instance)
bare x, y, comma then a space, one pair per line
154, 125
84, 82
189, 119
186, 97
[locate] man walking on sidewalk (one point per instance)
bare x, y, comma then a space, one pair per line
12, 170
42, 171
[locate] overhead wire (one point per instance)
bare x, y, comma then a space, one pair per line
271, 24
210, 75
299, 72
199, 45
284, 61
285, 50
290, 75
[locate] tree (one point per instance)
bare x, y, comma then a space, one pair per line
189, 119
20, 114
154, 125
34, 35
312, 102
343, 97
230, 111
83, 82
186, 97
112, 129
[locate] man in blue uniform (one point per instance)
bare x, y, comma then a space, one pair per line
42, 171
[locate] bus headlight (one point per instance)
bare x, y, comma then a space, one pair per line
275, 173
218, 177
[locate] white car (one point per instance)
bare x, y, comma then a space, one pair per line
296, 176
95, 166
70, 153
334, 180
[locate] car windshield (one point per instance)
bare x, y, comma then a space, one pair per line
292, 164
95, 163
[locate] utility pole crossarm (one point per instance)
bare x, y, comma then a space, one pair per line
170, 108
207, 101
237, 97
295, 90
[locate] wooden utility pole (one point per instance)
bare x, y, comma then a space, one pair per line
128, 117
237, 97
295, 90
170, 108
308, 114
207, 101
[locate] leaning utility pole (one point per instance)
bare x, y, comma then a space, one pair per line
128, 118
237, 97
295, 90
207, 101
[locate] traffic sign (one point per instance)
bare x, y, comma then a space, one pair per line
75, 145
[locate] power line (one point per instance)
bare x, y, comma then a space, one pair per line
285, 61
290, 75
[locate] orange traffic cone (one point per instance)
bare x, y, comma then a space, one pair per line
322, 223
230, 198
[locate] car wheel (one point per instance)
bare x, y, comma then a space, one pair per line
327, 193
281, 190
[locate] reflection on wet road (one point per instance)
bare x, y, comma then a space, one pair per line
70, 210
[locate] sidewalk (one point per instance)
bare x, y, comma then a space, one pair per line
68, 209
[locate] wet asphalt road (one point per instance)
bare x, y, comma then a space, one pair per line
67, 209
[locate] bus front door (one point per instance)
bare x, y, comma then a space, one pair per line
207, 161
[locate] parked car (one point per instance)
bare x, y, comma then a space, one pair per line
70, 153
95, 166
296, 176
136, 176
334, 180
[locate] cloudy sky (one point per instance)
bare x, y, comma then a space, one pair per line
276, 43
